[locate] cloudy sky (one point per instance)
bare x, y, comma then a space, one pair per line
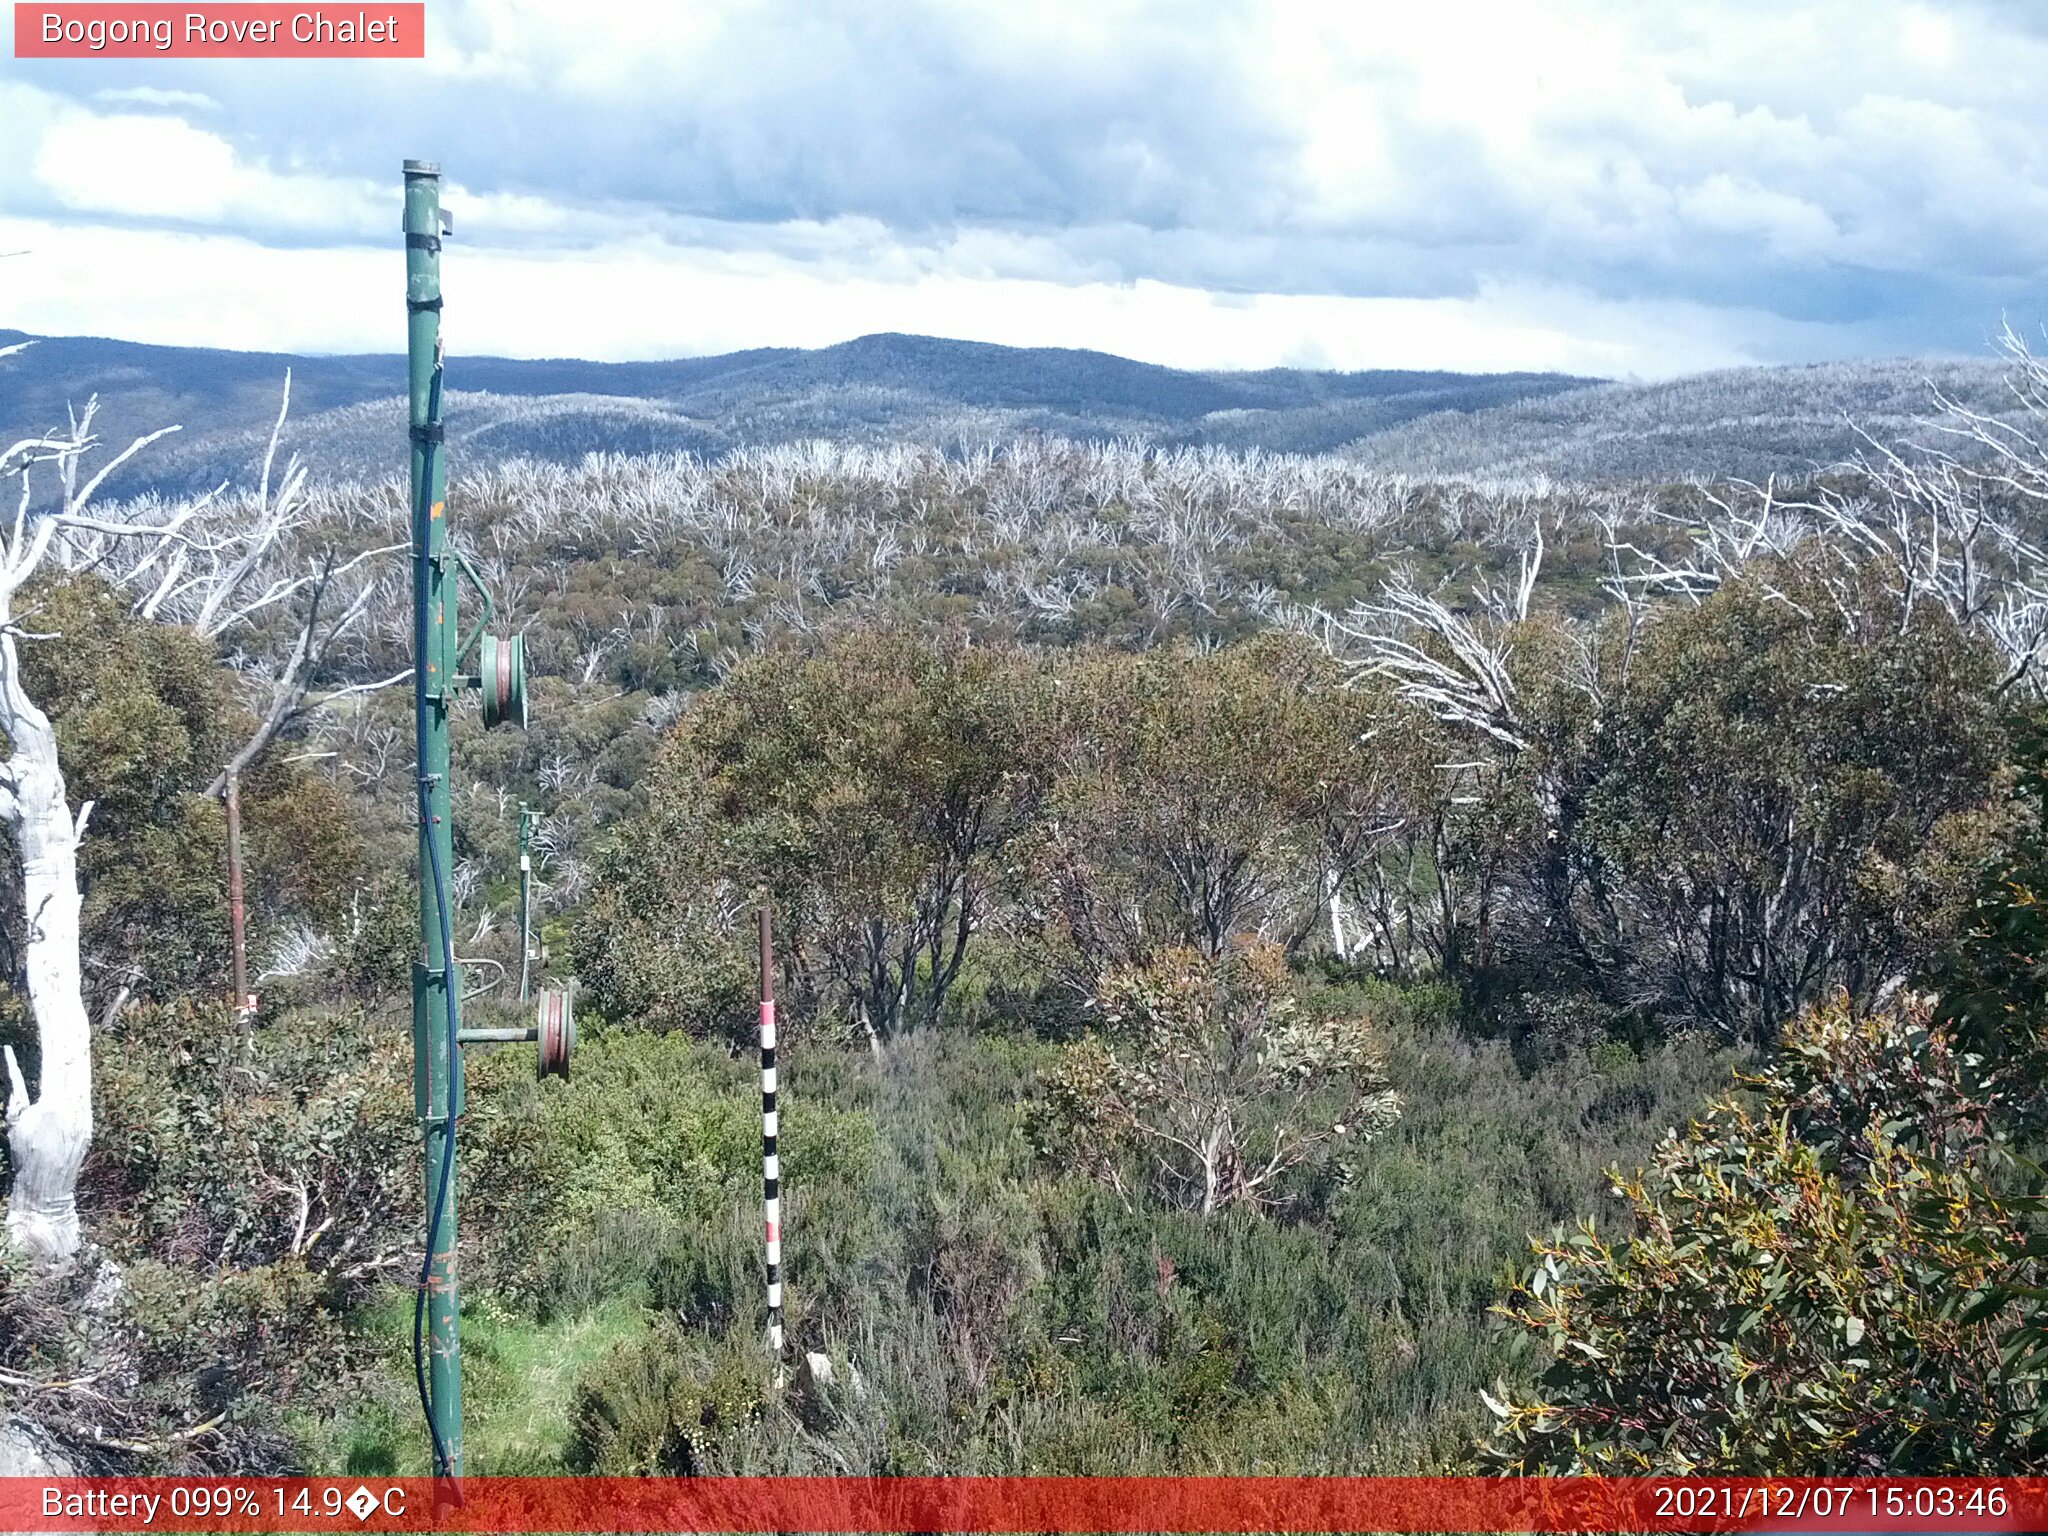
1603, 186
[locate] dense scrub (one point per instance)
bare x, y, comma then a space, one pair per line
1710, 817
250, 1189
989, 1308
1132, 821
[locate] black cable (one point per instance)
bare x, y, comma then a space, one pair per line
422, 573
442, 1467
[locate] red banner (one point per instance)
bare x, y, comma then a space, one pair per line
370, 29
1005, 1504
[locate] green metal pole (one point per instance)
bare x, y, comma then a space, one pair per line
437, 986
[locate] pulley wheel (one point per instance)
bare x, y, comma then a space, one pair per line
557, 1020
501, 677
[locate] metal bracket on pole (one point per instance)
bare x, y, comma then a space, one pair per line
483, 619
439, 649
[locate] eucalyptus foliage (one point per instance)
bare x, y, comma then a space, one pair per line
1818, 1278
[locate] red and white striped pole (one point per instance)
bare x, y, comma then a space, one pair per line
771, 1163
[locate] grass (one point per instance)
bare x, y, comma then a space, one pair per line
518, 1385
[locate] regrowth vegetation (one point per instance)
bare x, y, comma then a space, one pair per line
1224, 904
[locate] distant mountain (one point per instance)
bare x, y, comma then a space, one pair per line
1747, 422
347, 415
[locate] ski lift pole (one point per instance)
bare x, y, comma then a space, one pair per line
440, 650
437, 983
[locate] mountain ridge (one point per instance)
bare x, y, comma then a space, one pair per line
347, 415
884, 385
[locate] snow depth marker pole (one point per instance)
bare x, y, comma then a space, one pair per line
771, 1162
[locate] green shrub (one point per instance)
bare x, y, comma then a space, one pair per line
1788, 1301
237, 1147
664, 1405
1782, 791
867, 787
249, 1188
377, 939
1994, 983
1213, 1085
584, 1189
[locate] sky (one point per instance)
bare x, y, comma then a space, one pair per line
1606, 187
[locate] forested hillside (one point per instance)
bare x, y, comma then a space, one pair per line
1746, 422
881, 389
1238, 915
892, 391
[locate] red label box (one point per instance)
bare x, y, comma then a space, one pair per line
705, 1505
364, 29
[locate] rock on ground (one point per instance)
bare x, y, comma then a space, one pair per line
26, 1452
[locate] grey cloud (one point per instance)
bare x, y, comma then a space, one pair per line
1792, 161
804, 112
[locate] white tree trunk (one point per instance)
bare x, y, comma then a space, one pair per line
1212, 1169
47, 1137
1337, 939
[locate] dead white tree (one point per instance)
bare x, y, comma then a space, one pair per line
238, 570
1456, 666
246, 568
1948, 523
49, 1131
204, 563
